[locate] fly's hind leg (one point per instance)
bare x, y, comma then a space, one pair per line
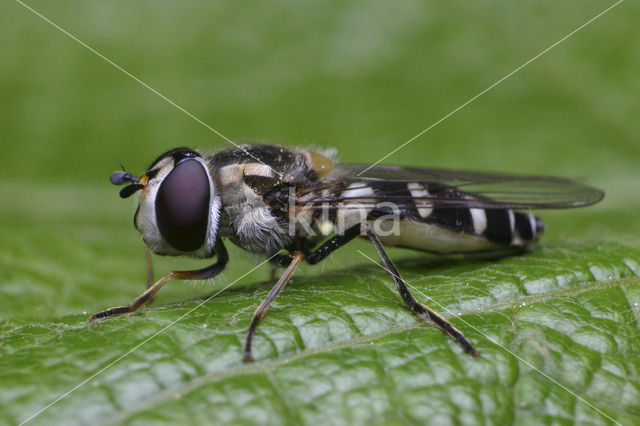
411, 302
147, 296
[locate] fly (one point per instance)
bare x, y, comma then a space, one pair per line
293, 205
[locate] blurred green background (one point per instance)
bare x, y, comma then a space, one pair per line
360, 76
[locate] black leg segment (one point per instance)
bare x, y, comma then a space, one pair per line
332, 244
411, 302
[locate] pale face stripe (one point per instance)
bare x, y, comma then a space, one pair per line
419, 193
479, 217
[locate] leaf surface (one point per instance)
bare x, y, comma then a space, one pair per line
338, 346
344, 346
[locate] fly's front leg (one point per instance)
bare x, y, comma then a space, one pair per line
147, 296
411, 302
295, 259
148, 263
148, 266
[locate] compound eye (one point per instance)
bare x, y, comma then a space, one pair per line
182, 206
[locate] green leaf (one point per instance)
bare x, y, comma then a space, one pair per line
557, 328
343, 346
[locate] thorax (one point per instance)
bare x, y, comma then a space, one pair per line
243, 177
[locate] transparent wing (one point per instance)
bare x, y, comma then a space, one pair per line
445, 188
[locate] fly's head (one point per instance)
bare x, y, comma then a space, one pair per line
178, 209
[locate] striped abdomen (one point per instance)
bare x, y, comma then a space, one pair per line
430, 226
486, 230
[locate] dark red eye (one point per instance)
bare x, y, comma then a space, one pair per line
182, 206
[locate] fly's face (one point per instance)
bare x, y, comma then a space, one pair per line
178, 208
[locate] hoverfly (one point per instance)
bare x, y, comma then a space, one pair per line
296, 204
